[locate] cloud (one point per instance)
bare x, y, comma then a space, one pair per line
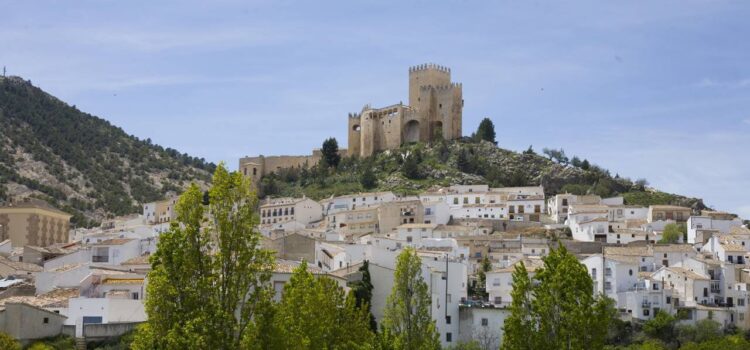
732, 84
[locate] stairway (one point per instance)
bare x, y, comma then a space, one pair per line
81, 343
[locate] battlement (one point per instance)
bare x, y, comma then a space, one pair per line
440, 87
429, 66
355, 115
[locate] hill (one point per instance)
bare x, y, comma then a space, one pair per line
80, 163
417, 167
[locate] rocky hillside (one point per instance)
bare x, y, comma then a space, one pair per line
80, 163
416, 167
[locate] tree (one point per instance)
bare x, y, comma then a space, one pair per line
551, 313
519, 326
410, 168
463, 163
486, 131
576, 162
660, 327
362, 291
671, 234
482, 273
315, 313
330, 150
529, 151
368, 180
208, 279
406, 322
7, 342
585, 164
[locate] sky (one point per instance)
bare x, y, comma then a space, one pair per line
648, 89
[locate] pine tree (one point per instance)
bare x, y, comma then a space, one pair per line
410, 168
368, 180
362, 291
463, 163
407, 323
330, 150
486, 131
207, 279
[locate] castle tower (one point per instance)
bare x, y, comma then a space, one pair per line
438, 104
435, 111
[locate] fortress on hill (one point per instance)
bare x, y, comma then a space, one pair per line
434, 111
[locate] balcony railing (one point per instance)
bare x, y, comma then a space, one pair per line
646, 304
99, 258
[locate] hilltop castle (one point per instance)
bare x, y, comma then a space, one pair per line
434, 111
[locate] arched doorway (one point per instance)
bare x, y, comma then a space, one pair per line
411, 131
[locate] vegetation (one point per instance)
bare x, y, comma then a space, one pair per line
486, 131
416, 167
407, 323
202, 271
673, 232
317, 314
362, 291
8, 343
330, 150
88, 163
552, 313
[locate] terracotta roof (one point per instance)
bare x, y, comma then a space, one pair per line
629, 250
687, 273
668, 207
110, 281
138, 260
531, 265
686, 248
114, 241
56, 298
288, 266
22, 266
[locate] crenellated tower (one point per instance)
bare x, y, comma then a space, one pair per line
435, 111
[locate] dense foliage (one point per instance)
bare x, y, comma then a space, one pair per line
486, 131
407, 323
208, 279
552, 312
88, 163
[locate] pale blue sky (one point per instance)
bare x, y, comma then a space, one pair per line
652, 89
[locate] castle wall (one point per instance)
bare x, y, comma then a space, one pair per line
355, 133
434, 110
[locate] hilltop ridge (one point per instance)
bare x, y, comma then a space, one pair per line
81, 163
417, 167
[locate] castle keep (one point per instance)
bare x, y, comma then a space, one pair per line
434, 112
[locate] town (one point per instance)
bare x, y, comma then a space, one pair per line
91, 283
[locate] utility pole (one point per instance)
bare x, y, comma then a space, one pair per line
3, 71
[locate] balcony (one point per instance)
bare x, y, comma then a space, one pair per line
646, 304
100, 258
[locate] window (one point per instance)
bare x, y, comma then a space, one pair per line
741, 302
565, 201
448, 337
498, 300
255, 171
669, 300
630, 272
476, 200
496, 283
46, 320
448, 298
485, 322
608, 272
447, 320
741, 316
135, 295
466, 200
645, 312
607, 285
